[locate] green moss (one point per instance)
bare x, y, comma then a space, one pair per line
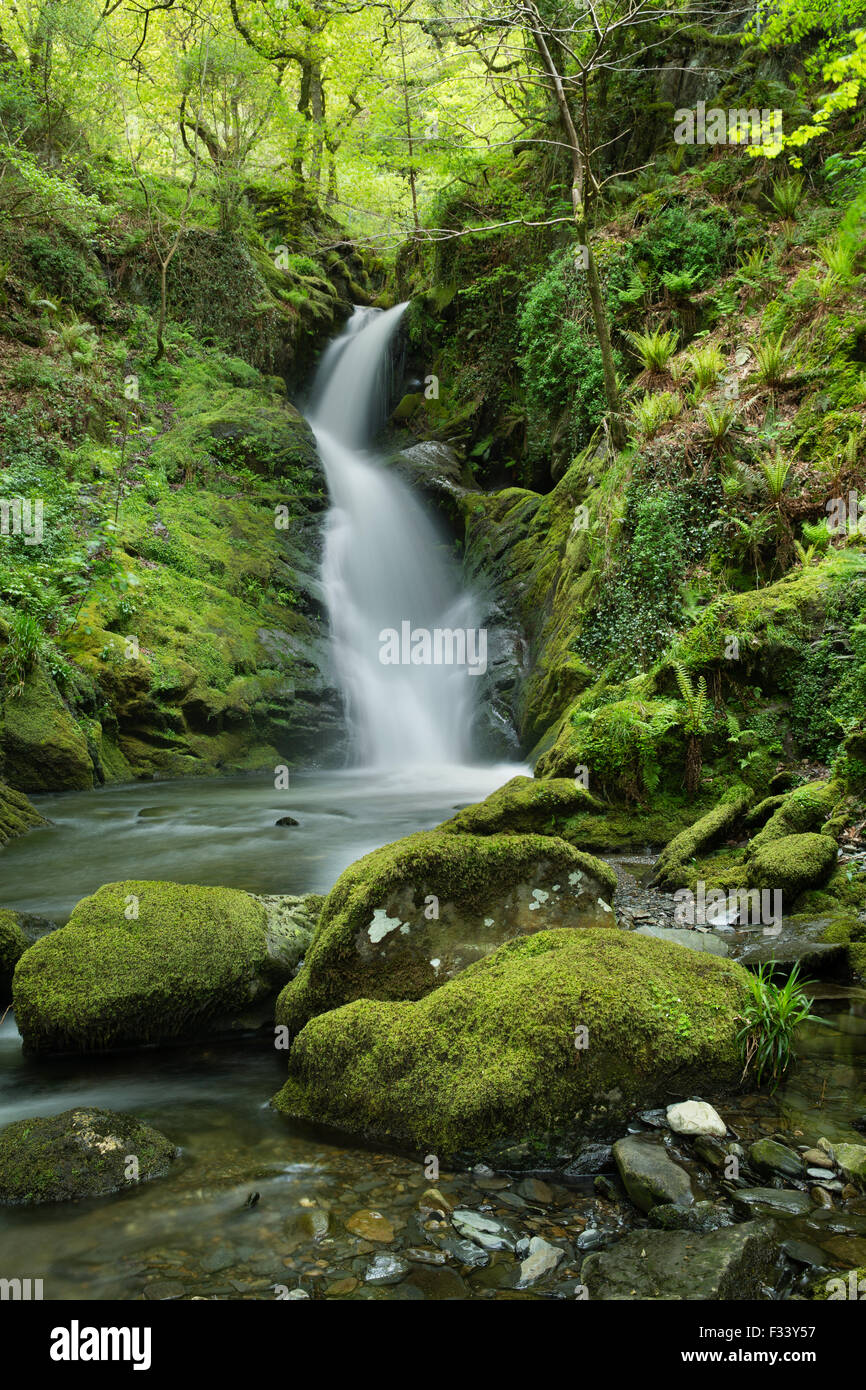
17, 815
107, 980
792, 864
13, 944
482, 887
806, 808
42, 746
701, 836
526, 805
490, 1056
80, 1153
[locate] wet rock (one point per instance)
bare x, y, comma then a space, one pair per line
815, 1158
386, 1269
541, 1260
594, 1158
771, 1201
702, 1217
425, 1255
591, 1239
534, 1190
851, 1158
711, 1152
79, 1153
466, 1252
771, 1157
433, 1200
692, 940
692, 1117
649, 1175
371, 1225
485, 1231
729, 1265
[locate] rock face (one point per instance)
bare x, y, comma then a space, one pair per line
80, 1153
184, 958
649, 1176
727, 1265
491, 1055
42, 746
403, 920
17, 815
291, 922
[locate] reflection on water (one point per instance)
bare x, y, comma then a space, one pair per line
224, 832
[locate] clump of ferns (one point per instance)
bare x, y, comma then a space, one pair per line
694, 722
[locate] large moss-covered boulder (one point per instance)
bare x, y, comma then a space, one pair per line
404, 919
142, 962
802, 810
13, 944
498, 1054
792, 864
80, 1153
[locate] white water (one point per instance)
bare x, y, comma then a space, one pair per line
385, 564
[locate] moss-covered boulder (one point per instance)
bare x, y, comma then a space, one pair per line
792, 864
495, 1055
143, 962
80, 1153
17, 814
526, 805
407, 917
13, 944
805, 809
41, 745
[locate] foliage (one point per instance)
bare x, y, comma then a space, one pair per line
770, 1020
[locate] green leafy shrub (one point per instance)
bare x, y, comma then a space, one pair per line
770, 1020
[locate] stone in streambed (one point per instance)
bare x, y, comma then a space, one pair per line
852, 1161
771, 1157
649, 1175
371, 1225
79, 1153
692, 1117
407, 918
727, 1265
13, 944
489, 1057
702, 1217
386, 1269
541, 1260
771, 1201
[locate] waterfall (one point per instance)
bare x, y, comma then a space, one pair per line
390, 583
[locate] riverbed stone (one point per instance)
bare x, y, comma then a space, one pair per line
771, 1201
84, 1152
144, 962
726, 1265
649, 1175
771, 1157
490, 1056
541, 1260
405, 919
694, 1117
852, 1161
371, 1225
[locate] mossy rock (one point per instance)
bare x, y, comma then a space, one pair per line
792, 865
13, 944
191, 957
42, 747
409, 916
716, 825
842, 1284
80, 1153
526, 805
17, 814
490, 1057
807, 808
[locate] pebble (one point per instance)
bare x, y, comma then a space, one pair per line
371, 1225
541, 1260
386, 1269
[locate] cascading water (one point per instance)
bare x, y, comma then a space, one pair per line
386, 569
